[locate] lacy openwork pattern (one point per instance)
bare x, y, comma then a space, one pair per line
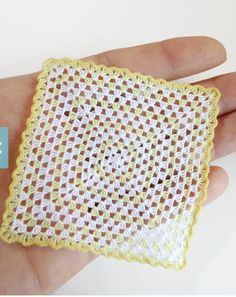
112, 162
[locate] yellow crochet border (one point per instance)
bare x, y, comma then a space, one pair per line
11, 202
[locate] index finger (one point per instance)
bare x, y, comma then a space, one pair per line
169, 59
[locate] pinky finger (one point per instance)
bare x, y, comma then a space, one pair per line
218, 181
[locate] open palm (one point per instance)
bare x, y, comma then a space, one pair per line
41, 270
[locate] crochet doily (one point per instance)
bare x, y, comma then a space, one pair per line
112, 162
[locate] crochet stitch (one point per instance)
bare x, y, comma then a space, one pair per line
112, 162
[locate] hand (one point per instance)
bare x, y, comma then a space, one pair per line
42, 270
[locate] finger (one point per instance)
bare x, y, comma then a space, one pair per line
225, 135
168, 59
218, 181
226, 83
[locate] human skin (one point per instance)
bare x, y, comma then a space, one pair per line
34, 270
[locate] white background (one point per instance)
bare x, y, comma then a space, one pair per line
31, 31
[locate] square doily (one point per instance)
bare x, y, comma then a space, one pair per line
112, 162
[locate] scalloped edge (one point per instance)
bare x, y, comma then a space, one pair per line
5, 231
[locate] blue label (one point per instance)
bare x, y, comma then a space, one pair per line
3, 147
